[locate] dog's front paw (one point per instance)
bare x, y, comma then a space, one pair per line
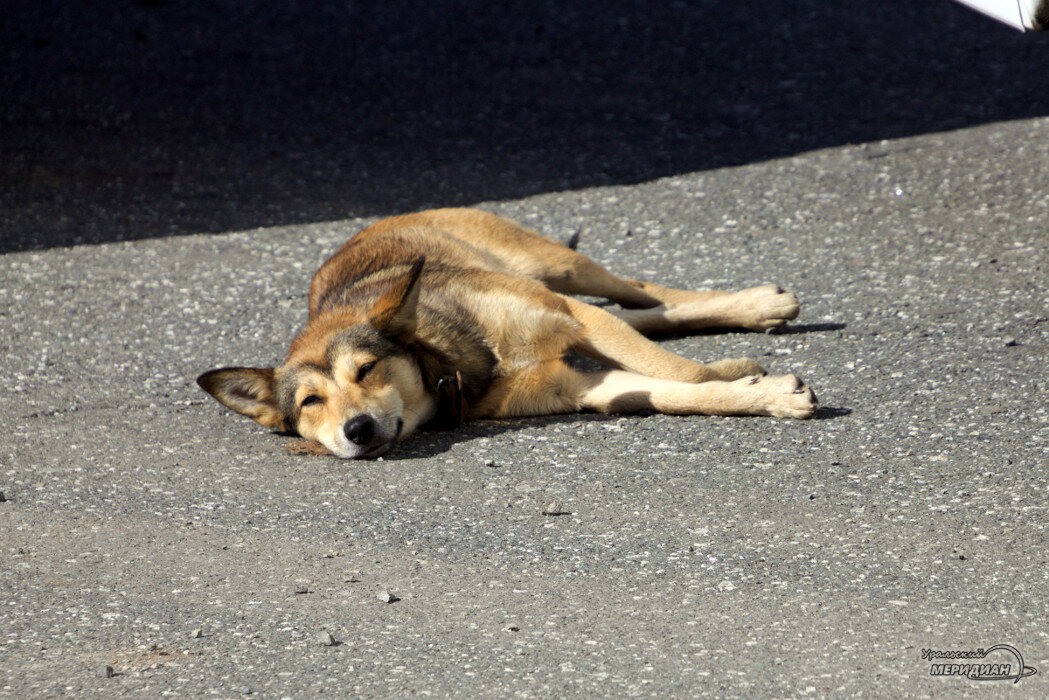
784, 396
762, 308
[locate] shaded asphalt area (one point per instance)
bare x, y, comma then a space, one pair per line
125, 120
172, 173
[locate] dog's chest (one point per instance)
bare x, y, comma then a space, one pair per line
521, 333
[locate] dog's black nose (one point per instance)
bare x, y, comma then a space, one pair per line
360, 430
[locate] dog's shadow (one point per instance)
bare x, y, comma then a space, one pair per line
793, 329
799, 328
431, 444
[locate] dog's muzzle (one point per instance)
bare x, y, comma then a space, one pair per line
366, 433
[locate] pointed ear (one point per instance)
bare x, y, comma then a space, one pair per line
249, 391
394, 312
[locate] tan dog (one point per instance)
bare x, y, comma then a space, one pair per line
453, 314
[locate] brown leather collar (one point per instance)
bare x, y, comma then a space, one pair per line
451, 405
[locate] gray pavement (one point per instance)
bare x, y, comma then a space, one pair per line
147, 529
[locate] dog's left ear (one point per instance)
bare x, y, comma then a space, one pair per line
248, 391
394, 312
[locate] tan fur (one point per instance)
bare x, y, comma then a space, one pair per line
429, 296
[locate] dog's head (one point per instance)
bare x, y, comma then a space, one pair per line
352, 380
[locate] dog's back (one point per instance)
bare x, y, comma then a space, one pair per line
462, 239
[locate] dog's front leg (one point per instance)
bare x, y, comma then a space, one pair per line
626, 392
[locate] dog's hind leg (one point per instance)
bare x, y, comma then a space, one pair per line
524, 252
759, 309
653, 308
614, 342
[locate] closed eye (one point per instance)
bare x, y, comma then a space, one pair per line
363, 370
309, 400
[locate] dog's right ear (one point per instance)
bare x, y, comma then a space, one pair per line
249, 391
394, 311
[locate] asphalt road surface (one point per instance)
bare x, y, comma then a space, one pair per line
172, 173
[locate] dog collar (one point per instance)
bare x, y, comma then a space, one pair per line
451, 405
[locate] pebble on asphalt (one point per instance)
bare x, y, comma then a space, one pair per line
554, 508
387, 597
104, 672
197, 633
325, 638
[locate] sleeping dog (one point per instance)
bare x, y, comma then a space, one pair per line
433, 318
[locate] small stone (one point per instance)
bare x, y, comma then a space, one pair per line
511, 628
353, 577
104, 672
554, 508
325, 638
2, 497
1010, 341
387, 597
306, 447
491, 463
197, 633
301, 589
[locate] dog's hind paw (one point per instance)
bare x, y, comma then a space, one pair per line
762, 308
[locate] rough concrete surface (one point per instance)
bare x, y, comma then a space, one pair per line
145, 528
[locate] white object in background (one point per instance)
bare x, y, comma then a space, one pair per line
1022, 14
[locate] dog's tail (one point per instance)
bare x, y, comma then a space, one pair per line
573, 240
